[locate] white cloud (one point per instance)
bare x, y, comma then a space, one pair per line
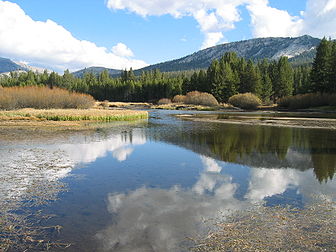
215, 17
271, 22
122, 50
50, 44
269, 182
320, 18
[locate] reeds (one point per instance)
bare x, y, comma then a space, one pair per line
303, 101
74, 115
42, 98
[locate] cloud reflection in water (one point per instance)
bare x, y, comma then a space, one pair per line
152, 219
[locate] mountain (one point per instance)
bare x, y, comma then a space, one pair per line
96, 71
32, 68
260, 48
7, 65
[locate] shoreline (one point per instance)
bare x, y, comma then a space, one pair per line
293, 122
66, 118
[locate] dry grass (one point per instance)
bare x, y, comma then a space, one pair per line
200, 98
164, 101
303, 101
179, 99
105, 104
73, 115
245, 101
275, 229
42, 98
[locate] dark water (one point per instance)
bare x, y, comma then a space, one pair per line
147, 186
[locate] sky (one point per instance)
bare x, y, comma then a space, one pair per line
121, 34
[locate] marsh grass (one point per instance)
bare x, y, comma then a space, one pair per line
274, 229
73, 115
42, 98
303, 101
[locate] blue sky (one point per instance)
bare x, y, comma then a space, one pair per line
148, 32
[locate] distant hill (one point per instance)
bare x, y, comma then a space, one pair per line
7, 65
297, 49
96, 71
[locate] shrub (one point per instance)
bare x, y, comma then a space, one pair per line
164, 101
42, 98
303, 101
105, 104
179, 99
245, 101
200, 98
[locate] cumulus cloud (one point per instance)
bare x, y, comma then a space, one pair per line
50, 44
122, 50
216, 17
267, 21
320, 18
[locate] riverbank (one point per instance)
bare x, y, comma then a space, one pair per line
170, 106
295, 120
66, 118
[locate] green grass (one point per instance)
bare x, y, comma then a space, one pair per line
74, 115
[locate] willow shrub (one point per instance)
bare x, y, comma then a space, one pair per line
200, 98
245, 101
163, 101
303, 101
42, 98
179, 99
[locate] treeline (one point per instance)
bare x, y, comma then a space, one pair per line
150, 86
269, 80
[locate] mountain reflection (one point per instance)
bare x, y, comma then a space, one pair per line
259, 146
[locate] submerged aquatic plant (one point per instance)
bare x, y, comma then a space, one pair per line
274, 229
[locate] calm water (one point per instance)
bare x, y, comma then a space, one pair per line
147, 186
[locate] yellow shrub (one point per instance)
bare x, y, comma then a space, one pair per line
200, 98
245, 101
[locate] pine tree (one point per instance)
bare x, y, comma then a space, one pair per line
225, 82
320, 75
283, 85
332, 73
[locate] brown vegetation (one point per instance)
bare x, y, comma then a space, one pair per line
303, 101
245, 101
179, 99
164, 101
275, 229
42, 98
200, 98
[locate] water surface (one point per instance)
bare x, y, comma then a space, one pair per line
147, 186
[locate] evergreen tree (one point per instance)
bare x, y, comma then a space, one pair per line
332, 73
320, 75
283, 85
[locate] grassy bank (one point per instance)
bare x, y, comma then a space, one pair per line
72, 115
